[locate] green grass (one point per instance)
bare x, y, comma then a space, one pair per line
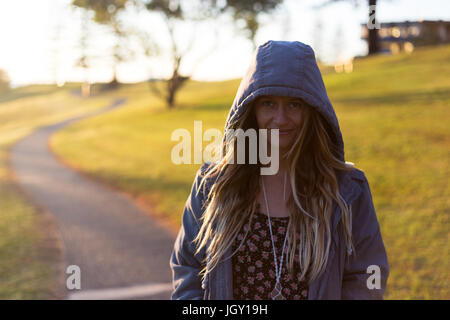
393, 112
34, 91
395, 119
28, 261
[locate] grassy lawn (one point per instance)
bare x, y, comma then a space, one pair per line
29, 253
393, 112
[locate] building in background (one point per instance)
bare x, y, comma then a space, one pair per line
394, 37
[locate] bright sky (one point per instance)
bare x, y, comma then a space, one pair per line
40, 39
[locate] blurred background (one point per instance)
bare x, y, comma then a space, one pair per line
174, 61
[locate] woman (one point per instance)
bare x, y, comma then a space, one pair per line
309, 231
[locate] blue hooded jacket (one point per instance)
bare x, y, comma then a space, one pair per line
284, 68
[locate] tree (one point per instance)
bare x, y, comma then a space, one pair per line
246, 11
4, 81
373, 40
107, 12
374, 45
174, 13
83, 60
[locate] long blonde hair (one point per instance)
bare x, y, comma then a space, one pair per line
312, 163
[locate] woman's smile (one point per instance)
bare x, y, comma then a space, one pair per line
281, 132
285, 132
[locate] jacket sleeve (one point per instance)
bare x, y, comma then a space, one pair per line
361, 270
184, 263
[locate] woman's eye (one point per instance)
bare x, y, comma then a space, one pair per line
267, 103
296, 105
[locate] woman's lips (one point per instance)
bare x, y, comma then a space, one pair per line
284, 132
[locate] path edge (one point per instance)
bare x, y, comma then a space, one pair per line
52, 245
142, 203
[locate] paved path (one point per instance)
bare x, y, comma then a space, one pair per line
121, 252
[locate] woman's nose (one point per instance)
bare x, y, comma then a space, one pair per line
281, 116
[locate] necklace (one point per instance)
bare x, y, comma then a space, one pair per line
276, 293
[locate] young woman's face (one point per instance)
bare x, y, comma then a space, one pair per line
283, 113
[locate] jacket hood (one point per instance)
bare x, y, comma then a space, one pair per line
286, 68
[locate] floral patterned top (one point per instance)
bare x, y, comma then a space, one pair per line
253, 265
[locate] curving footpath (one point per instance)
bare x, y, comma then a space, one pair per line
121, 252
